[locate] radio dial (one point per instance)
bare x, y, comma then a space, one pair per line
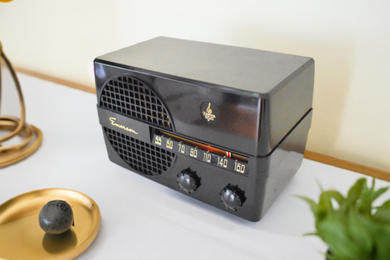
188, 181
232, 197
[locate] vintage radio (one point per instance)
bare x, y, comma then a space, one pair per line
224, 125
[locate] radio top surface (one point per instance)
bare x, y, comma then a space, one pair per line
254, 71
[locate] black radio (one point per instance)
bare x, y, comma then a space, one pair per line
224, 125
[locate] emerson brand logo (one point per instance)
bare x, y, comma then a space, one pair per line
113, 119
208, 114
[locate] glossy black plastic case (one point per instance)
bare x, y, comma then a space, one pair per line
253, 105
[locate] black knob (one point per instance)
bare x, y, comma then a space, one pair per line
188, 181
232, 197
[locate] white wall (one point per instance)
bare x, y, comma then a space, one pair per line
349, 40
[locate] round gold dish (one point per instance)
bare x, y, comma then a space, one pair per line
22, 238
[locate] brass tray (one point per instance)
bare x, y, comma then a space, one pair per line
22, 238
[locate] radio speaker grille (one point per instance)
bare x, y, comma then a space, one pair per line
140, 156
131, 97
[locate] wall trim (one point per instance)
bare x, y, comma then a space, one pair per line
355, 167
56, 80
351, 166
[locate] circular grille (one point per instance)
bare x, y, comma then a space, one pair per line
130, 96
143, 157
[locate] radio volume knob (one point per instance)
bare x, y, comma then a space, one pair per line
232, 197
188, 181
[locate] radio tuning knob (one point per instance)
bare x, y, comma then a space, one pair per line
232, 197
188, 181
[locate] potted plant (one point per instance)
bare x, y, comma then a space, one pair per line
351, 226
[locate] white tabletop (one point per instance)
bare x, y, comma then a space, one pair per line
142, 219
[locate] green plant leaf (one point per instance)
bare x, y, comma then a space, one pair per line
313, 206
353, 195
324, 203
310, 234
333, 231
367, 198
360, 231
364, 203
379, 193
373, 184
336, 195
382, 238
383, 213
